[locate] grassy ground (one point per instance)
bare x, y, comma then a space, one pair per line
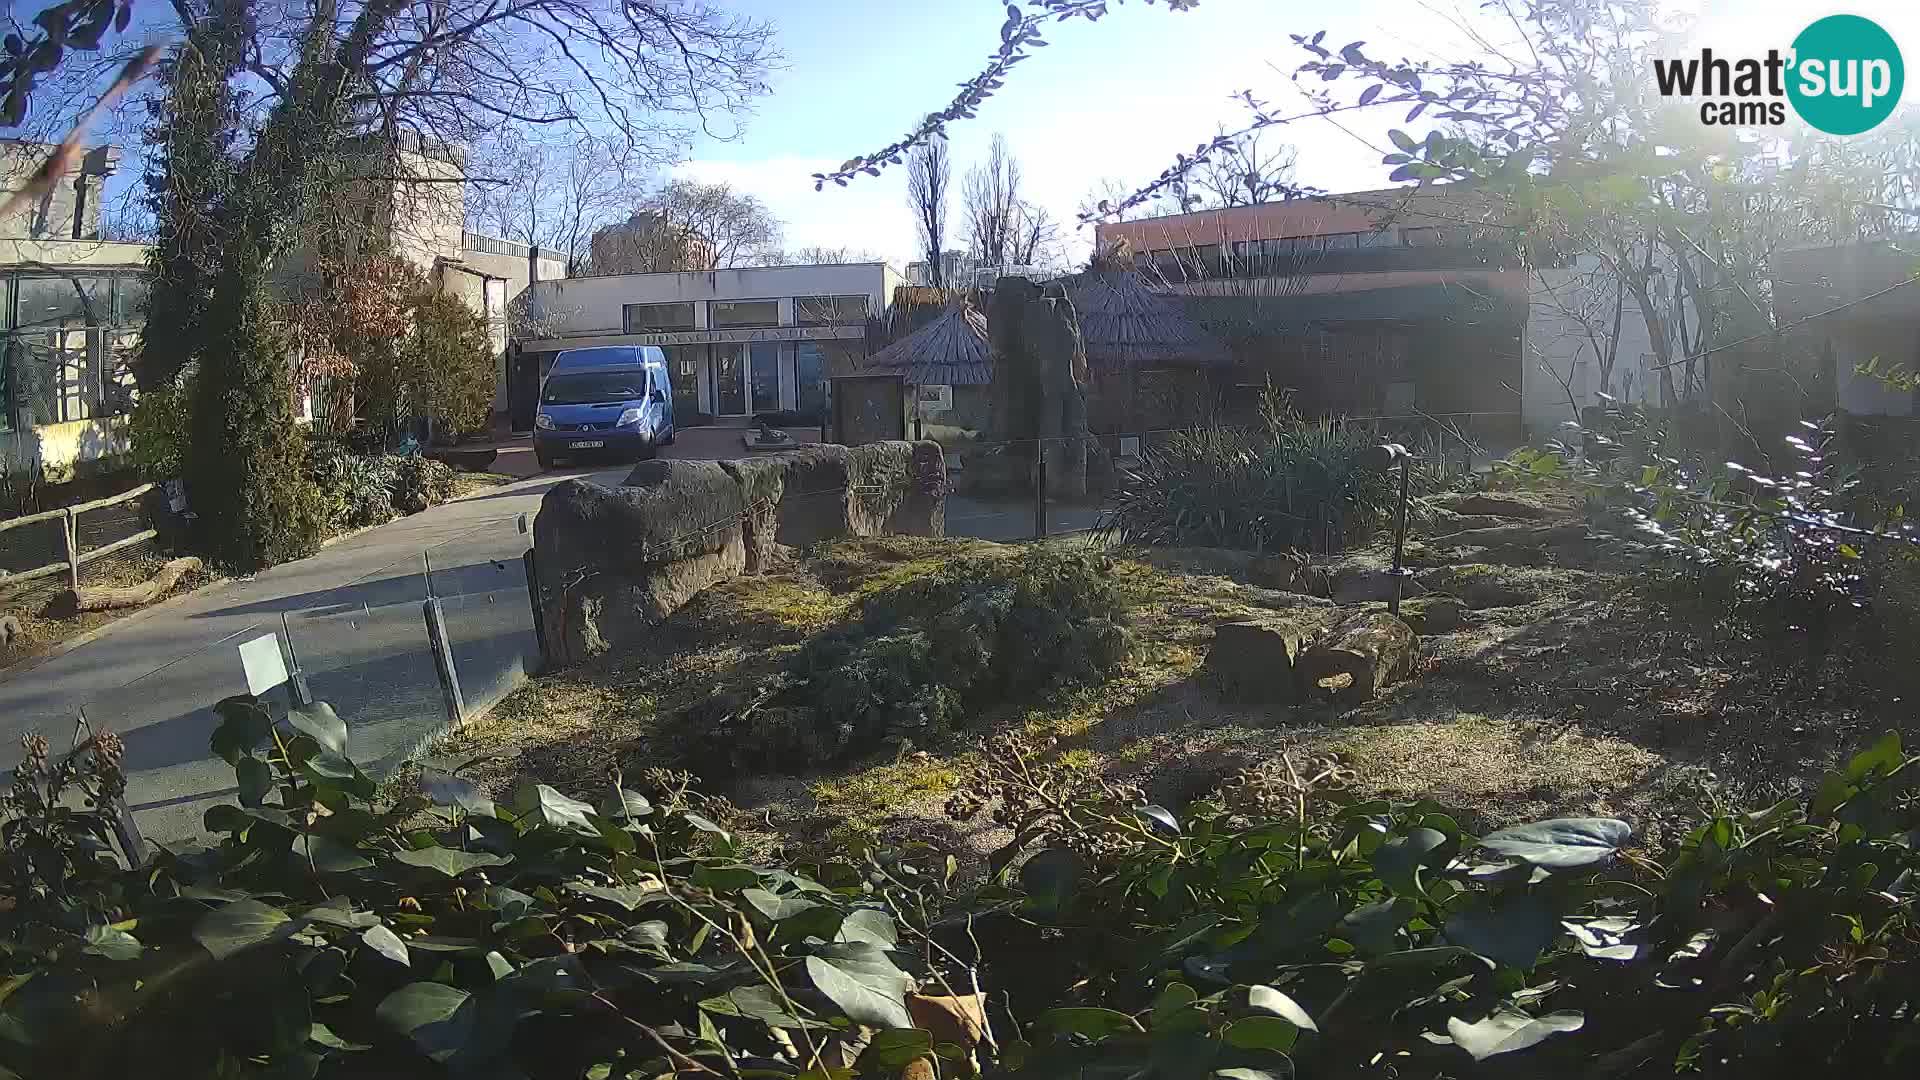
1584, 694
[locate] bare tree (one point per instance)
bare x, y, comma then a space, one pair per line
929, 180
688, 225
992, 204
1035, 234
1242, 173
818, 256
554, 194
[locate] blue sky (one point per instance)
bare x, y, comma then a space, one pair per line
1115, 98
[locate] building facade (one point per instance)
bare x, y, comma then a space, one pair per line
1401, 301
738, 342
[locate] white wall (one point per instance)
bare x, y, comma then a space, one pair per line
595, 305
1557, 340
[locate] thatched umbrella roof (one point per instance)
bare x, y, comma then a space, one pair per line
1126, 324
950, 350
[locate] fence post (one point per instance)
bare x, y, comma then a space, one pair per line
1039, 489
70, 534
533, 601
443, 661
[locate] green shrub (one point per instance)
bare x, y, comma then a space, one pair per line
420, 482
922, 656
358, 490
329, 934
159, 427
1285, 484
449, 364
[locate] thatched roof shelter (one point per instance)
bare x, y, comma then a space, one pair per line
951, 350
1127, 325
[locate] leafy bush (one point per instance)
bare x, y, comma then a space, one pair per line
420, 482
159, 428
326, 933
359, 491
923, 654
1287, 483
449, 364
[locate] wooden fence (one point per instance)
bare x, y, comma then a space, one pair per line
69, 516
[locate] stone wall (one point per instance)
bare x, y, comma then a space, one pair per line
612, 563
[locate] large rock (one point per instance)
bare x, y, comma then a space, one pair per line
1486, 585
923, 507
1516, 505
813, 497
826, 491
763, 482
1359, 657
1360, 585
1253, 661
614, 562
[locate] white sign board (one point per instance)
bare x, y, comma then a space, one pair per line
936, 399
264, 665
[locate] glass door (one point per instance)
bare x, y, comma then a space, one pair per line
764, 377
730, 380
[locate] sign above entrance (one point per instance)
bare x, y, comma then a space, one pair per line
765, 333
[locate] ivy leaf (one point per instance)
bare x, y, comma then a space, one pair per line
1606, 938
870, 925
435, 1016
624, 804
1395, 861
777, 908
1371, 92
387, 944
329, 856
1883, 756
103, 940
553, 808
322, 1035
756, 1002
889, 1052
1402, 140
450, 861
319, 721
1248, 1074
1374, 927
1093, 1023
1504, 1032
1561, 843
255, 779
1512, 932
446, 789
1261, 1033
1159, 816
244, 724
1268, 1000
627, 896
1050, 877
240, 925
866, 987
339, 912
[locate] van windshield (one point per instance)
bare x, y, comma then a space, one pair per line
589, 387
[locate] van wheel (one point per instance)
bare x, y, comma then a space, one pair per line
648, 452
668, 441
545, 459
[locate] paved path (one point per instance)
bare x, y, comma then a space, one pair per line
353, 615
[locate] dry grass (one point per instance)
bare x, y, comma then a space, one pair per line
1584, 696
45, 620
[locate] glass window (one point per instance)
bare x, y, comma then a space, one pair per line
764, 376
594, 387
829, 310
810, 377
683, 368
130, 300
1343, 241
730, 380
1425, 236
1377, 238
53, 301
658, 318
737, 313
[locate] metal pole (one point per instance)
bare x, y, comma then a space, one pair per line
1039, 489
533, 599
1400, 539
296, 679
443, 661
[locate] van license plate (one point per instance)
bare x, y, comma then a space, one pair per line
590, 444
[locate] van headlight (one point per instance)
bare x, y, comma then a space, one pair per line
543, 421
629, 416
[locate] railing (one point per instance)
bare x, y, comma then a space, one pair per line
68, 519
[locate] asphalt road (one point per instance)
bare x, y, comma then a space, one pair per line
353, 618
353, 615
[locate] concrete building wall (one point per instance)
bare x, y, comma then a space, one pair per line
596, 305
1559, 302
71, 209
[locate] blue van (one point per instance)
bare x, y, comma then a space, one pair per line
614, 399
